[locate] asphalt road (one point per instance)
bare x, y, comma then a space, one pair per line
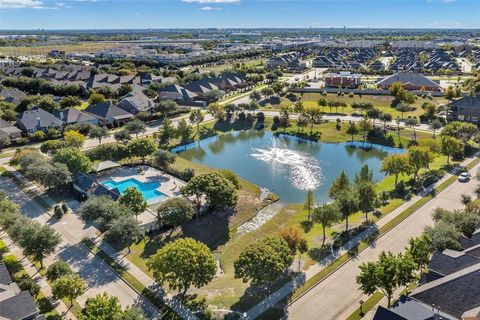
338, 295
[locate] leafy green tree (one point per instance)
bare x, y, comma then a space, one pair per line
133, 199
101, 307
69, 286
217, 111
465, 221
39, 241
124, 230
352, 129
342, 183
166, 107
419, 158
184, 130
142, 147
183, 263
451, 146
395, 164
58, 269
4, 141
132, 313
230, 176
73, 138
412, 123
419, 249
96, 98
367, 196
263, 261
74, 159
434, 126
124, 90
347, 203
103, 210
444, 236
309, 203
166, 132
70, 102
402, 108
326, 215
98, 132
174, 212
460, 130
314, 115
136, 127
51, 175
122, 136
163, 159
196, 117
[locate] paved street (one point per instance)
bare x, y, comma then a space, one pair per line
99, 277
338, 295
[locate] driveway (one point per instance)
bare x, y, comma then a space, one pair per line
98, 276
338, 295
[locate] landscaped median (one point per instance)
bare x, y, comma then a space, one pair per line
338, 263
130, 280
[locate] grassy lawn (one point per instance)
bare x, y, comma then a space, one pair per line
383, 103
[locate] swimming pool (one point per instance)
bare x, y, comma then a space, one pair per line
148, 189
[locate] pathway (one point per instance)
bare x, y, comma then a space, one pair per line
337, 296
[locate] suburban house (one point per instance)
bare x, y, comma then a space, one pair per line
12, 95
86, 185
343, 79
37, 119
74, 116
109, 114
14, 303
465, 109
377, 66
136, 102
177, 93
7, 129
449, 290
410, 81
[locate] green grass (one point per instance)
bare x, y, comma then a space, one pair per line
367, 306
131, 280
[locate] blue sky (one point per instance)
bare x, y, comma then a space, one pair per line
90, 14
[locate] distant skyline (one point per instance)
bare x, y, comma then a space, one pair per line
144, 14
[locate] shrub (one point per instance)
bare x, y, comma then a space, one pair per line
58, 269
188, 174
64, 207
38, 136
350, 94
58, 212
28, 284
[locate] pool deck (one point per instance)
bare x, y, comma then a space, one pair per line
169, 185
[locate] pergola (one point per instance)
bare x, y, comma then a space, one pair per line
105, 165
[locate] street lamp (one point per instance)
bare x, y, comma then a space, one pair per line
361, 307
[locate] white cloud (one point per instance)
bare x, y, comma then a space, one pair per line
441, 1
19, 4
208, 8
211, 1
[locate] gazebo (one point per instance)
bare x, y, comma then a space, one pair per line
105, 165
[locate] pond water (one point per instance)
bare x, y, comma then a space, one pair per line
286, 165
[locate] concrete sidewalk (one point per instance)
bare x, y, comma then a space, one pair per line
299, 310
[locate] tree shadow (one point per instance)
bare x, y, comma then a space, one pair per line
212, 229
320, 253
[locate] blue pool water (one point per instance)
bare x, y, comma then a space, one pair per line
148, 189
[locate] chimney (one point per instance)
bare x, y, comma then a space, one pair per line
38, 122
61, 115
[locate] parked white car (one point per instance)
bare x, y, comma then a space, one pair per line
464, 177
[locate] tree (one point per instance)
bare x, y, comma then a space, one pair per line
102, 209
418, 158
460, 130
4, 141
217, 190
196, 117
326, 215
101, 307
166, 107
342, 183
309, 203
352, 129
96, 98
122, 136
174, 212
347, 204
99, 133
74, 159
263, 261
451, 146
70, 102
217, 111
314, 116
132, 313
73, 138
465, 221
166, 132
136, 127
292, 237
284, 117
419, 249
69, 286
39, 241
395, 164
366, 126
58, 269
162, 159
133, 199
142, 147
434, 126
183, 263
444, 236
124, 90
402, 108
367, 196
412, 123
124, 230
184, 130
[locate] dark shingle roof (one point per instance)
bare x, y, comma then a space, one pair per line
449, 261
18, 307
108, 109
416, 79
72, 115
12, 95
31, 118
467, 102
137, 100
406, 308
88, 183
4, 275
